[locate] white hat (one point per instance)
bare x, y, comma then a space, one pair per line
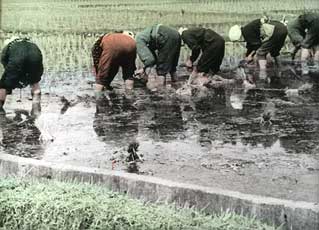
7, 41
234, 33
181, 30
129, 33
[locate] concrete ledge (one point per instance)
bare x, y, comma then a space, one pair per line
292, 214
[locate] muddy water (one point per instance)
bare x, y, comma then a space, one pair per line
263, 141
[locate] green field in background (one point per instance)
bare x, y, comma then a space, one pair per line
65, 30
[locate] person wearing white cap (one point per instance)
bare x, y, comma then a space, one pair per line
207, 41
22, 61
262, 37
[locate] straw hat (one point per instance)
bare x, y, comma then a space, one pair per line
234, 33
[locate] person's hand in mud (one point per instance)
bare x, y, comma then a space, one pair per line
242, 63
140, 77
189, 65
250, 58
295, 51
143, 72
217, 81
250, 78
248, 85
202, 79
192, 77
129, 84
139, 72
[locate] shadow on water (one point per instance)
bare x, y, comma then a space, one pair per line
20, 136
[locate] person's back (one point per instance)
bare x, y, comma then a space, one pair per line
22, 61
119, 43
110, 52
304, 34
23, 64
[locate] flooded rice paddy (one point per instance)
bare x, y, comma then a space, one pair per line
263, 141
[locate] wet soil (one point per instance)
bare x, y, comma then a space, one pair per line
267, 145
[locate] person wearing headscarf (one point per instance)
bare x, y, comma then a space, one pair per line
23, 66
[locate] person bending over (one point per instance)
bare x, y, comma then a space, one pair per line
23, 66
304, 34
158, 45
207, 42
110, 52
262, 37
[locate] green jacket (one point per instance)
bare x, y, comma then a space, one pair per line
146, 45
304, 30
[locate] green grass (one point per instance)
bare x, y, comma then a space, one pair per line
30, 204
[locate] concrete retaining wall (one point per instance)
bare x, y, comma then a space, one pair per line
292, 214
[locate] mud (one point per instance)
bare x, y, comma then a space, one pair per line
266, 145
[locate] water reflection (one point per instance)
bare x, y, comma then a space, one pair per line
116, 121
20, 136
244, 120
256, 118
165, 120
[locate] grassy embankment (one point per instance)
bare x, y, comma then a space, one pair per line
33, 204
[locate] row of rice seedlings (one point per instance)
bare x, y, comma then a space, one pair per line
72, 52
67, 16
